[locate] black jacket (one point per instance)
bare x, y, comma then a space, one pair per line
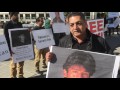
92, 43
10, 25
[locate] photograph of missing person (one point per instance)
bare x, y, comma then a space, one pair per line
72, 63
77, 66
57, 18
20, 38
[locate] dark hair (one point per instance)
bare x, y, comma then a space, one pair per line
76, 14
13, 13
38, 19
81, 58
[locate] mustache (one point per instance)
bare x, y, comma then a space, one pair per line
79, 31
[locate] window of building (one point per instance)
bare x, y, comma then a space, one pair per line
41, 15
47, 15
87, 15
33, 16
6, 16
27, 16
1, 16
21, 16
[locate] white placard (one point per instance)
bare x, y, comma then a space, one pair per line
58, 22
96, 27
21, 44
4, 50
28, 25
113, 14
96, 65
44, 38
116, 22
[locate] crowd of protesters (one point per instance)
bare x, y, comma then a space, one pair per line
80, 38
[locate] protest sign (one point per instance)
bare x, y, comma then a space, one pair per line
96, 27
58, 21
44, 38
21, 44
73, 63
113, 14
4, 50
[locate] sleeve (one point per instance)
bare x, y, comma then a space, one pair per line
108, 50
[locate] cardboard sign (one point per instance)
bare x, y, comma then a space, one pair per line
96, 27
21, 44
4, 50
72, 63
113, 14
44, 38
58, 21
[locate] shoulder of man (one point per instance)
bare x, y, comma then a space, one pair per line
19, 23
35, 28
8, 25
65, 41
101, 41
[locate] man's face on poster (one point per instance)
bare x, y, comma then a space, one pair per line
76, 71
22, 38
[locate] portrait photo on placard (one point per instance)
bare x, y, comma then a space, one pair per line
72, 63
20, 38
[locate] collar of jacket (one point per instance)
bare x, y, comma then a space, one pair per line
14, 22
89, 39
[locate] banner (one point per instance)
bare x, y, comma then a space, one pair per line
21, 44
58, 21
113, 14
96, 27
4, 50
116, 22
28, 25
72, 63
44, 38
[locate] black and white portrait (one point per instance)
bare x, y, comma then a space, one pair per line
20, 38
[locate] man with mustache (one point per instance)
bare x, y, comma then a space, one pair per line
80, 37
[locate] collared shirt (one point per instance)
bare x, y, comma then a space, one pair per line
80, 46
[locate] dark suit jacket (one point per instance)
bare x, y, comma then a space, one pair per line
10, 25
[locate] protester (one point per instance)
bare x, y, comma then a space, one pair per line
47, 23
39, 52
13, 23
80, 37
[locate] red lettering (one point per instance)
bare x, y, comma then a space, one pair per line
92, 26
100, 25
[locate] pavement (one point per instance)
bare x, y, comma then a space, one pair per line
29, 68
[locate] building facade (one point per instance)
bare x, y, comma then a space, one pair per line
29, 17
26, 17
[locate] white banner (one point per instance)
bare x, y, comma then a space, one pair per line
113, 14
44, 38
116, 22
21, 44
58, 21
4, 50
28, 25
96, 27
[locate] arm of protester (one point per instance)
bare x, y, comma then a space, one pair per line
11, 53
